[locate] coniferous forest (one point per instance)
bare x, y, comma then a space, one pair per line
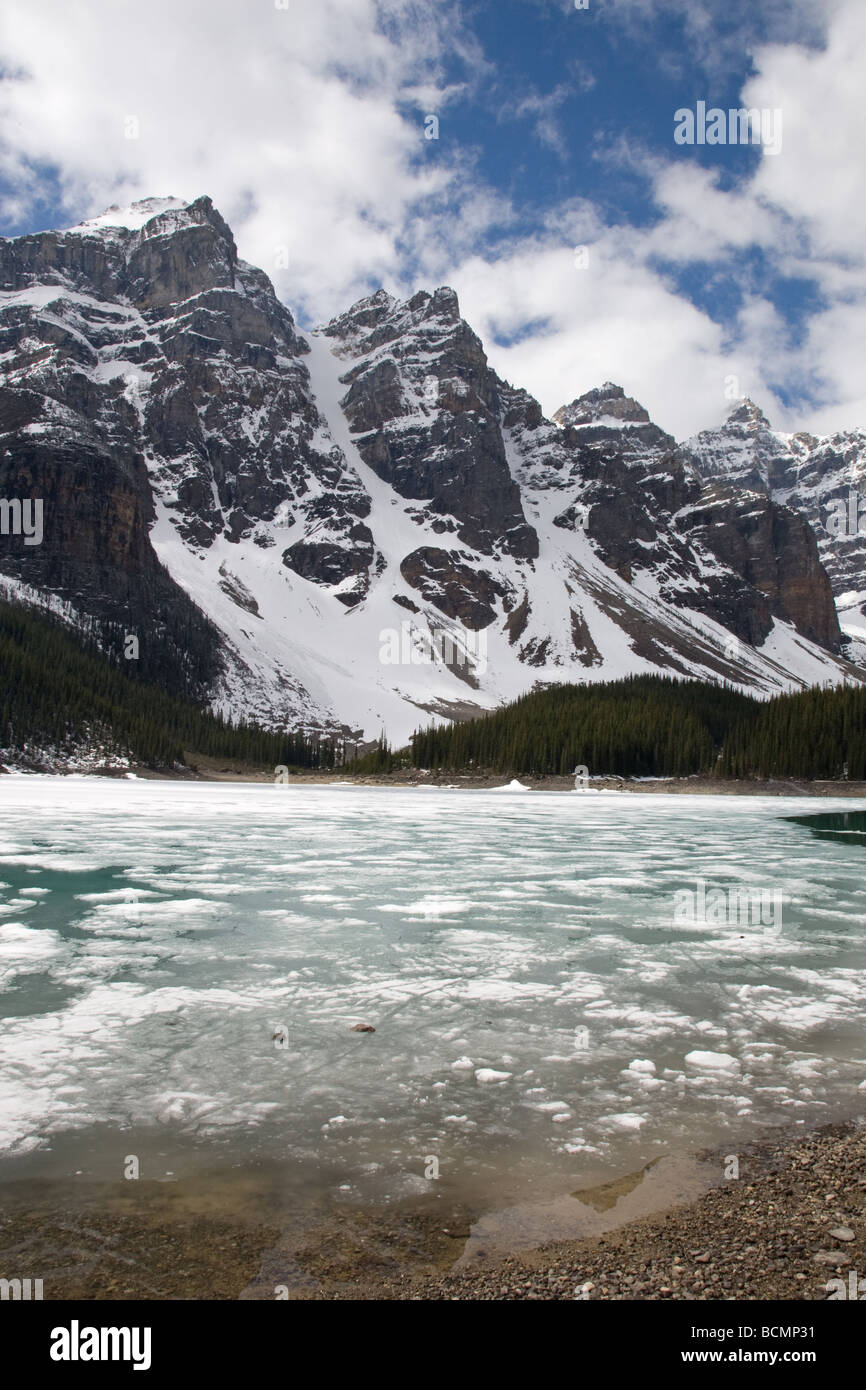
658, 726
58, 690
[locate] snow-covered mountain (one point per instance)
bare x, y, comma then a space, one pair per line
822, 477
362, 527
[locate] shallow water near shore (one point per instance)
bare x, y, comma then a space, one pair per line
181, 967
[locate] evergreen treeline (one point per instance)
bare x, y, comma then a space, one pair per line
178, 645
659, 726
382, 758
57, 690
813, 734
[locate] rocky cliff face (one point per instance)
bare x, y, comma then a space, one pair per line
726, 552
820, 479
147, 367
264, 510
424, 408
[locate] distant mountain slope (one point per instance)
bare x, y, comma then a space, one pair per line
822, 478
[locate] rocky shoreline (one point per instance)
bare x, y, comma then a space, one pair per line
214, 770
209, 769
791, 1226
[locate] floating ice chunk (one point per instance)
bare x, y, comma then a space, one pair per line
626, 1120
804, 1070
487, 1076
712, 1061
463, 1064
433, 906
513, 786
24, 950
118, 895
644, 1067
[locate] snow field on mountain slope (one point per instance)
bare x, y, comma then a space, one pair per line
307, 657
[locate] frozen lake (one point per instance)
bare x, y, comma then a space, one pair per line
182, 964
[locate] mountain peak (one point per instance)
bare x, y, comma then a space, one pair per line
745, 412
133, 217
379, 317
606, 402
445, 302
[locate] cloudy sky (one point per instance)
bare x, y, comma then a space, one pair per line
584, 242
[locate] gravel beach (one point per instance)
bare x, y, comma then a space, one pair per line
793, 1220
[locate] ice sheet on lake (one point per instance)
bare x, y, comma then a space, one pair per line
194, 956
